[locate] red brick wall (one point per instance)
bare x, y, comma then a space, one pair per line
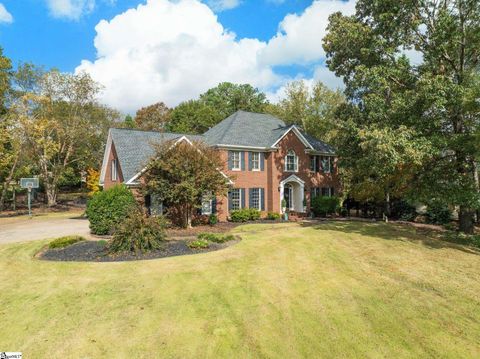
107, 182
274, 173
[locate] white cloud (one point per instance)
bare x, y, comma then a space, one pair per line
5, 16
171, 51
70, 9
221, 5
299, 38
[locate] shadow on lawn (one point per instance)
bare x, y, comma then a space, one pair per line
392, 231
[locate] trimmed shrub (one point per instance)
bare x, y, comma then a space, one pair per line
138, 233
322, 205
438, 213
108, 208
213, 219
245, 214
199, 244
63, 242
215, 237
403, 211
273, 216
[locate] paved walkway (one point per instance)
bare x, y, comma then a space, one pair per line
25, 229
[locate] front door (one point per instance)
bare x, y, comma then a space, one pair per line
288, 196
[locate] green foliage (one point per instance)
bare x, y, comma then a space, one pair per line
322, 205
273, 216
215, 237
63, 242
438, 213
403, 211
69, 178
245, 214
138, 233
313, 110
409, 129
199, 244
212, 219
128, 122
194, 117
106, 209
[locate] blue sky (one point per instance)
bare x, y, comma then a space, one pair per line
161, 50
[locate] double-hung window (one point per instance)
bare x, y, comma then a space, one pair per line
236, 160
236, 198
256, 161
328, 191
255, 200
114, 169
326, 162
207, 204
291, 162
313, 163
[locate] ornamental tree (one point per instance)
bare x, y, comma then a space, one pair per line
182, 173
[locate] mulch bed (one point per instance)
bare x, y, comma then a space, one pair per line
94, 251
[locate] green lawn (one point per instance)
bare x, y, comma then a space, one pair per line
287, 290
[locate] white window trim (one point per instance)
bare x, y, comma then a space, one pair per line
113, 173
239, 168
258, 161
329, 161
239, 199
259, 198
295, 162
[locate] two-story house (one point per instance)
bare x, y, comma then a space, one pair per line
266, 160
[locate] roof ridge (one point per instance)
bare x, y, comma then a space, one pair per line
153, 131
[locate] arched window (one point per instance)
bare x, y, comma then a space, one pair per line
291, 162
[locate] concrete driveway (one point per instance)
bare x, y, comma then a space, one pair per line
25, 229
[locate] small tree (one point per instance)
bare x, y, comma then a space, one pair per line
182, 173
93, 181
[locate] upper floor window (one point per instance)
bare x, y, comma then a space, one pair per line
236, 160
313, 163
327, 163
256, 161
291, 162
114, 169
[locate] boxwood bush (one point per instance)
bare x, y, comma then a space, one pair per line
138, 233
108, 208
273, 216
322, 205
245, 214
63, 242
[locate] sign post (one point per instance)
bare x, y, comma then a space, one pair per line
29, 183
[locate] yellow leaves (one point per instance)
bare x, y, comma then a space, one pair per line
93, 181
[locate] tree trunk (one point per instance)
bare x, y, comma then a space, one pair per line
51, 191
388, 209
466, 220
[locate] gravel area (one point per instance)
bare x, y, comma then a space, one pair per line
94, 251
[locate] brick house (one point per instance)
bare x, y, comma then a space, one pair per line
267, 160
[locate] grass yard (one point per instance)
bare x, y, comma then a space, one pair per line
337, 289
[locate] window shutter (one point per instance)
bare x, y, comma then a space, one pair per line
262, 159
230, 206
214, 205
242, 194
250, 196
250, 161
332, 191
262, 198
242, 160
230, 160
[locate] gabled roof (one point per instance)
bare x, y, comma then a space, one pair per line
135, 147
246, 129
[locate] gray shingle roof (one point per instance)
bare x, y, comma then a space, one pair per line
246, 129
135, 147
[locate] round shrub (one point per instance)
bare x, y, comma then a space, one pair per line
213, 219
438, 213
108, 208
273, 216
322, 205
138, 233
